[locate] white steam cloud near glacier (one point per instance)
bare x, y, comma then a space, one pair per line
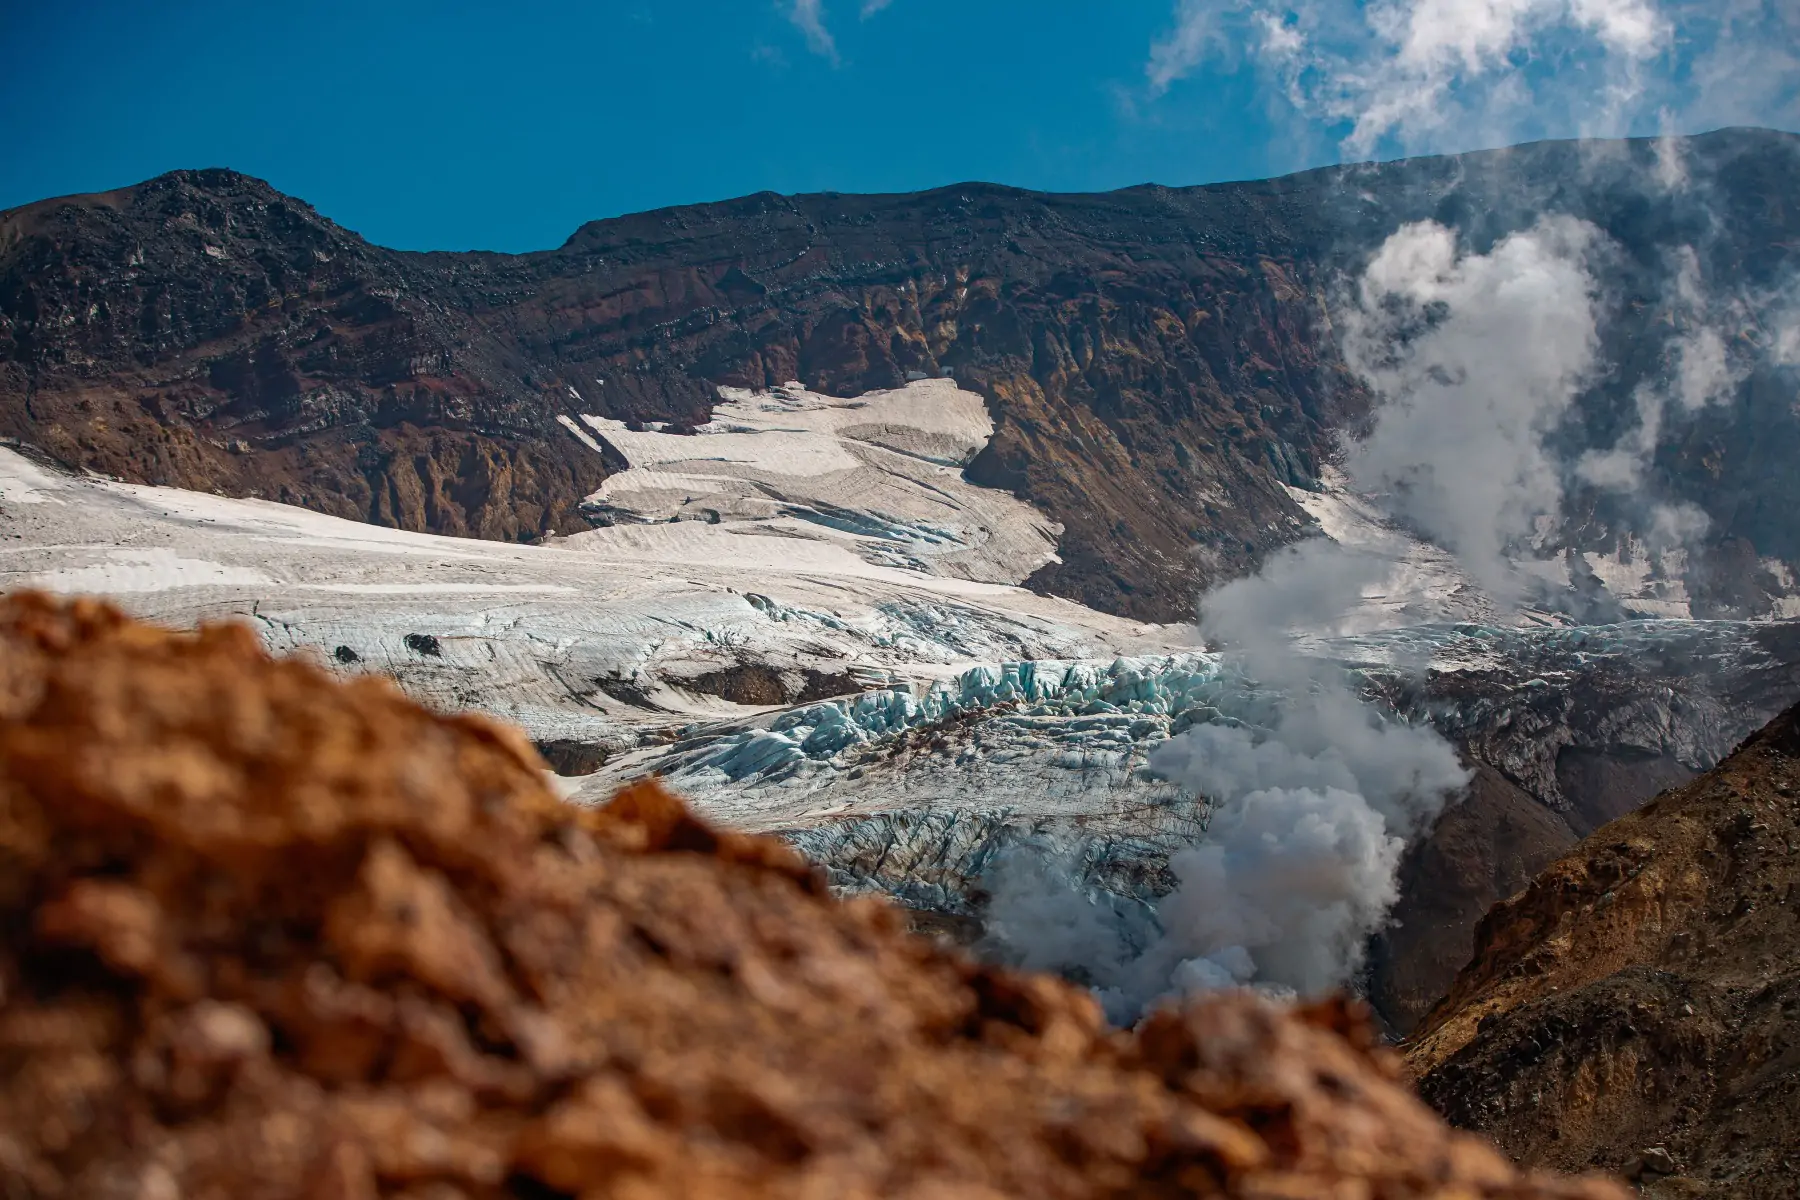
1475, 359
1472, 359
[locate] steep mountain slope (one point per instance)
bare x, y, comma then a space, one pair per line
1160, 363
204, 329
1635, 1006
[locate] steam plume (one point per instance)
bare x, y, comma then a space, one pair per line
1473, 358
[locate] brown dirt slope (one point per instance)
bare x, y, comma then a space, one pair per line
269, 935
1643, 992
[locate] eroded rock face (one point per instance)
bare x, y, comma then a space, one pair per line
1633, 1008
267, 934
1160, 364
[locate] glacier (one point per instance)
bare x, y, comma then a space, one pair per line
913, 718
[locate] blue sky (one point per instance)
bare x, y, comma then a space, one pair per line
462, 125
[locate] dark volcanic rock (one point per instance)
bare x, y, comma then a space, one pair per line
758, 684
1159, 362
1634, 1007
1483, 849
205, 331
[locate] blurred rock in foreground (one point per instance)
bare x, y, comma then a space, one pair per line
271, 935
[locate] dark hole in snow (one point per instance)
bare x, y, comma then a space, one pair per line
760, 685
345, 654
424, 643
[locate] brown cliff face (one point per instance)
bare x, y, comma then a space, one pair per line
1642, 991
203, 330
271, 935
1159, 362
1487, 845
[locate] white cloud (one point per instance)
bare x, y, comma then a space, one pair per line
1418, 75
1430, 50
1409, 75
808, 17
1746, 65
1193, 40
871, 7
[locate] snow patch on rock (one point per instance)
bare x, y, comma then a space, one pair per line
879, 476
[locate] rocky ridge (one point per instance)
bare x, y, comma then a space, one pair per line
1633, 1007
1160, 364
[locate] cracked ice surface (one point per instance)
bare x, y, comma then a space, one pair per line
1045, 737
992, 716
591, 638
917, 793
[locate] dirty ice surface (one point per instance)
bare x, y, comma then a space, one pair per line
880, 475
828, 545
806, 617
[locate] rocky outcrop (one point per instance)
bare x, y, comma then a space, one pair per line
1565, 731
271, 934
1160, 363
205, 331
1633, 1008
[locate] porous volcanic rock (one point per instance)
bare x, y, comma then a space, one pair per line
1634, 1008
271, 935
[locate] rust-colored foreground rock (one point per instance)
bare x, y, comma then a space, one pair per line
268, 935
